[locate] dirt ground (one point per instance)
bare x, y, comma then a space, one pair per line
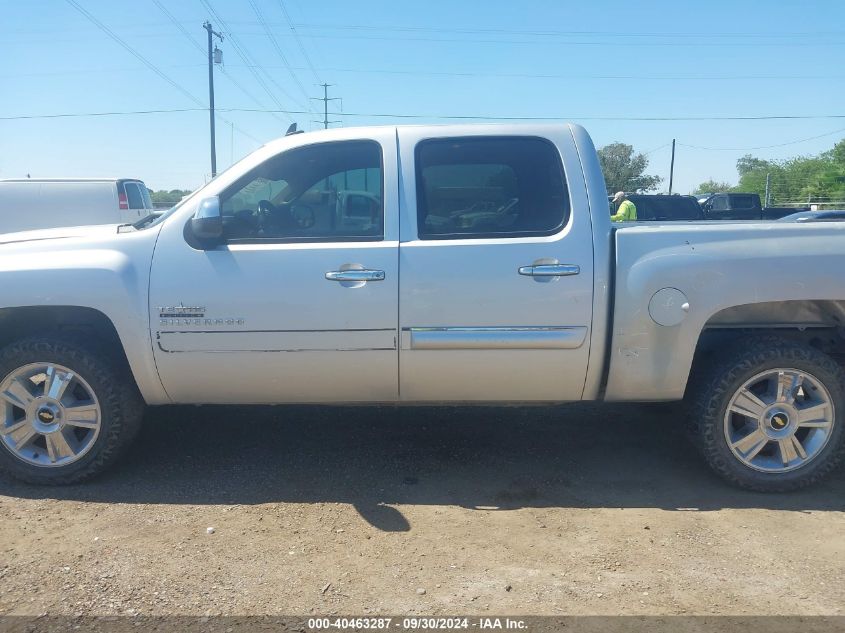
567, 510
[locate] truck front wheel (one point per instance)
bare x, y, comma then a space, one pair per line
770, 415
66, 411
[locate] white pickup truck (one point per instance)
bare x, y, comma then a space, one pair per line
454, 264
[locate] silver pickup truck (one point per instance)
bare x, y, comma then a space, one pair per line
455, 264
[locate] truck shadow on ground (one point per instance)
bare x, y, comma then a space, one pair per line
579, 456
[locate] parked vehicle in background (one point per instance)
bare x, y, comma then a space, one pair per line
731, 206
665, 208
424, 265
740, 206
44, 203
776, 213
815, 216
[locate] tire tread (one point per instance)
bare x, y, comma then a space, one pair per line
117, 394
717, 383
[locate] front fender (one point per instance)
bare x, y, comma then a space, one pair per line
109, 274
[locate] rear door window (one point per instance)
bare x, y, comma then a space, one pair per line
133, 194
719, 203
741, 202
480, 187
145, 193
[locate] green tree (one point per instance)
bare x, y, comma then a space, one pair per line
624, 170
800, 180
168, 197
712, 186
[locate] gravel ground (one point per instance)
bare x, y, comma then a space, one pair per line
296, 510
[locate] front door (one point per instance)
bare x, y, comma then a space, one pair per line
299, 303
496, 262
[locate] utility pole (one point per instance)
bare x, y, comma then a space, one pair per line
214, 56
768, 190
672, 167
325, 99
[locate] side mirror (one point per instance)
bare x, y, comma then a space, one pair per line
207, 223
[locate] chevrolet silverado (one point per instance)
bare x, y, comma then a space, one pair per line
424, 265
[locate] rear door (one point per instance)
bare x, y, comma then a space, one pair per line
496, 264
135, 201
148, 201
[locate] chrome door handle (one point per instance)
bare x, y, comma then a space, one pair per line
355, 275
550, 270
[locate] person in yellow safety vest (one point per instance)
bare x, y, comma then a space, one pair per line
625, 209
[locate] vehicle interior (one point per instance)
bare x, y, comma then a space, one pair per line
489, 186
330, 190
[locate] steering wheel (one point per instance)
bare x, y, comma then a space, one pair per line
265, 210
285, 218
273, 219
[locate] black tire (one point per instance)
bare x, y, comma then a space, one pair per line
718, 382
120, 402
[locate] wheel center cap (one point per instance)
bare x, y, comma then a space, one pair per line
779, 421
48, 417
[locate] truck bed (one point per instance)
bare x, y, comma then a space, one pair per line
714, 267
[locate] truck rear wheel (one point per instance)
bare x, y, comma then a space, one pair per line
66, 412
770, 416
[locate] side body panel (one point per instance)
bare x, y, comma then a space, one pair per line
473, 328
35, 205
261, 323
715, 266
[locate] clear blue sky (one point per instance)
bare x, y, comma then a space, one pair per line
551, 58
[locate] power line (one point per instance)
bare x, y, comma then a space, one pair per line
612, 41
482, 73
560, 33
651, 151
545, 32
70, 115
188, 36
241, 52
202, 51
604, 43
276, 46
299, 41
462, 117
479, 73
143, 59
248, 94
459, 117
131, 50
179, 26
743, 149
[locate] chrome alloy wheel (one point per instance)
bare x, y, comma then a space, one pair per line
779, 420
49, 416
